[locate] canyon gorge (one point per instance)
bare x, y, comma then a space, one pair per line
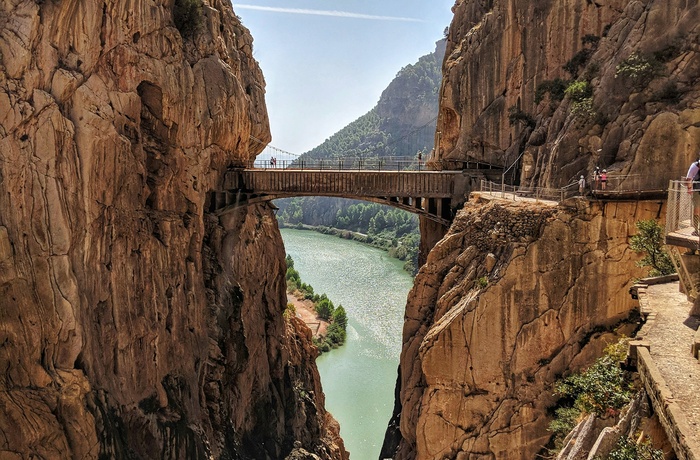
134, 324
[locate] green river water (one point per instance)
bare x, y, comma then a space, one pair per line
359, 377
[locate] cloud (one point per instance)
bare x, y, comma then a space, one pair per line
336, 14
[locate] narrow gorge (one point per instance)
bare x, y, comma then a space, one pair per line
134, 324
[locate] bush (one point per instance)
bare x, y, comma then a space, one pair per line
579, 91
641, 69
515, 115
187, 15
649, 240
555, 88
566, 418
626, 449
603, 388
578, 61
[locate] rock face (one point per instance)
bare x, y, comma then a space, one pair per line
132, 324
503, 56
514, 296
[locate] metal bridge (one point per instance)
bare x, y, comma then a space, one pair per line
435, 195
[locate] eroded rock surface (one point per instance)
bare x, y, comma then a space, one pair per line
132, 324
515, 295
501, 54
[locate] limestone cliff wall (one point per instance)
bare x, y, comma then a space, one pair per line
133, 325
514, 296
501, 52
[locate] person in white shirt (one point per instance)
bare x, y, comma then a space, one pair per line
693, 181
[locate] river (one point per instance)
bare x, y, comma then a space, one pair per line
359, 377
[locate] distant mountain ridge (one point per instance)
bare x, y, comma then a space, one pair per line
403, 121
401, 124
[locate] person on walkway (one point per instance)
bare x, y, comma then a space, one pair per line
596, 178
581, 185
693, 183
603, 179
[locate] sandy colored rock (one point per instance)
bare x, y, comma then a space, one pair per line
500, 53
132, 322
479, 361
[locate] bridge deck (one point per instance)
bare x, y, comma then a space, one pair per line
433, 194
426, 184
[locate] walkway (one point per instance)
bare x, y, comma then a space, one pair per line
669, 370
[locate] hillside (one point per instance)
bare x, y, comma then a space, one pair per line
403, 121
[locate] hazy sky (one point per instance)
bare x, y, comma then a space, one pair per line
326, 62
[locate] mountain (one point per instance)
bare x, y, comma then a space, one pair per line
401, 124
403, 121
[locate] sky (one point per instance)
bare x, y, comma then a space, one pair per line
326, 62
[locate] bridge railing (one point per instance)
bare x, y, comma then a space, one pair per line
618, 183
355, 163
515, 192
680, 211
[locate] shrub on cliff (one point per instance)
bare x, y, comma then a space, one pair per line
650, 240
187, 15
627, 449
640, 69
602, 389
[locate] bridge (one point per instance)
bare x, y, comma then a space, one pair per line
435, 195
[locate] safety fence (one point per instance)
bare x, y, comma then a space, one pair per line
618, 183
515, 192
680, 210
403, 163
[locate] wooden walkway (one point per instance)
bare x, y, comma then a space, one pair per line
433, 194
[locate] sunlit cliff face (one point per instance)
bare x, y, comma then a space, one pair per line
134, 324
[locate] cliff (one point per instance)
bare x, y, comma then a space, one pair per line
509, 65
514, 296
134, 325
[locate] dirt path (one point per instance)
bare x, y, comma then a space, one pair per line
305, 311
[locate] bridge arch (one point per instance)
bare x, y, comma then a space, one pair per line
432, 194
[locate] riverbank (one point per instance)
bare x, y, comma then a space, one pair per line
305, 311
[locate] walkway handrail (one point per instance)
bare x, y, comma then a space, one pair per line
680, 209
514, 192
394, 163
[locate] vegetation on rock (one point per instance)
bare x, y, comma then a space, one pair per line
187, 15
336, 331
602, 389
627, 449
649, 240
639, 68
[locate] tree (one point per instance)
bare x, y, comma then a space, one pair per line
324, 308
649, 240
340, 317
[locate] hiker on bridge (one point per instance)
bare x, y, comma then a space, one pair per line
603, 179
693, 181
581, 185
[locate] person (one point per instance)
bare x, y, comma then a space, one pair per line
581, 185
603, 179
693, 182
596, 177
